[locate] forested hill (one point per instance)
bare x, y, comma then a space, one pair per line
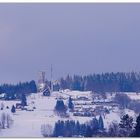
105, 82
15, 91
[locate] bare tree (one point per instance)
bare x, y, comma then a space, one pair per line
3, 120
46, 130
9, 121
2, 106
113, 130
6, 121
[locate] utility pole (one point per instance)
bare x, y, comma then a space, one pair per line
51, 79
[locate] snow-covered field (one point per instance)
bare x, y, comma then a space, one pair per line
133, 95
28, 123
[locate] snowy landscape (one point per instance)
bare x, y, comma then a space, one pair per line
69, 70
27, 123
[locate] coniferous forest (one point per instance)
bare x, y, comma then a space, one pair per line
16, 91
105, 82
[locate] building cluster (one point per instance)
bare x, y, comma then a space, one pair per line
91, 107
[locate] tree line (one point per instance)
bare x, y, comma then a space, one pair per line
71, 128
94, 128
105, 82
16, 91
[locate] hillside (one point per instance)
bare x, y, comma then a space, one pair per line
28, 123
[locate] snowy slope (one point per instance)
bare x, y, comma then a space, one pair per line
28, 123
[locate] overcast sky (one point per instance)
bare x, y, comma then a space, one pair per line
74, 38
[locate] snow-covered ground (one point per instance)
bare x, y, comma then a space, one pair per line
133, 95
28, 123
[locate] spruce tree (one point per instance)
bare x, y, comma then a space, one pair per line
137, 127
126, 126
61, 128
83, 129
70, 104
23, 100
56, 130
32, 86
68, 131
101, 123
77, 128
95, 124
13, 109
88, 131
60, 108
